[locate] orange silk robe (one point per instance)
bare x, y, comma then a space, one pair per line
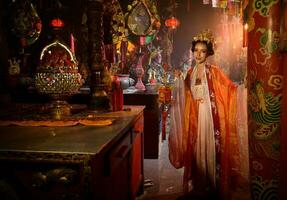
183, 133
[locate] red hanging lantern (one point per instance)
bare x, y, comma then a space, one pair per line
172, 23
57, 23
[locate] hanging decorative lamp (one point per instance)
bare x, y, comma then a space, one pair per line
172, 23
57, 23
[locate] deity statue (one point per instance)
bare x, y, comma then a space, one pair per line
154, 72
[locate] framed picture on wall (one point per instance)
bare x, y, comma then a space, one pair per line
283, 27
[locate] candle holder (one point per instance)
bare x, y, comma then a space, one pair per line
140, 71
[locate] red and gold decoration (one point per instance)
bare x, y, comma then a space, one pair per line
116, 49
283, 27
283, 137
265, 83
118, 25
58, 77
164, 98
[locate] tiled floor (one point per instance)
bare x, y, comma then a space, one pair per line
163, 181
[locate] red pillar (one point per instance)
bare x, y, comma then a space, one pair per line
283, 139
265, 83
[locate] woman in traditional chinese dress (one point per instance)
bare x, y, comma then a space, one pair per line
203, 136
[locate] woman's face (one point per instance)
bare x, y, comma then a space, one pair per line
200, 52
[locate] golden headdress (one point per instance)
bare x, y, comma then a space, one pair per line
204, 36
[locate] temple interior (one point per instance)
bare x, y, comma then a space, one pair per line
94, 99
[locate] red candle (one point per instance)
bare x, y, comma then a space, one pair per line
72, 43
245, 35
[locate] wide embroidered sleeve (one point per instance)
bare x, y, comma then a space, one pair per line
177, 128
226, 100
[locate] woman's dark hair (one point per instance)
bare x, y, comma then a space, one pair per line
209, 46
